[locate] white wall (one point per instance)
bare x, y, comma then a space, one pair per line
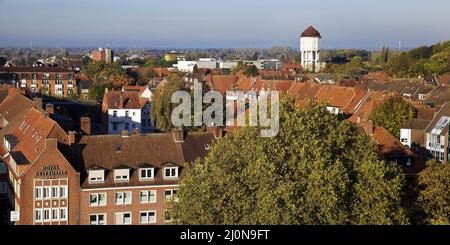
405, 137
134, 120
310, 52
186, 66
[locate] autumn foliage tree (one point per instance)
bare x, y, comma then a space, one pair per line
392, 113
434, 193
162, 107
317, 170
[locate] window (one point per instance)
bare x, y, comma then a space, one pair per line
46, 214
127, 113
38, 215
38, 193
169, 194
55, 213
148, 196
97, 199
123, 218
114, 126
63, 191
147, 217
97, 219
96, 176
123, 198
55, 192
121, 175
46, 192
63, 214
127, 126
146, 173
114, 113
171, 172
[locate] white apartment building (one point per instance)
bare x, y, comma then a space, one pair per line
126, 110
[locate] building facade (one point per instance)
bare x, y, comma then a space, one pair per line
60, 178
51, 81
126, 110
437, 135
310, 49
106, 55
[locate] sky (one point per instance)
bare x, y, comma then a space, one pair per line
222, 24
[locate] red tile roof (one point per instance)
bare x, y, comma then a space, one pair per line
345, 98
123, 100
221, 83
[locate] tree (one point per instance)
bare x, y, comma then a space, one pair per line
317, 170
97, 91
162, 107
92, 69
434, 193
392, 113
118, 81
145, 74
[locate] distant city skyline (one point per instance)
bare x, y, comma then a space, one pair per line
204, 24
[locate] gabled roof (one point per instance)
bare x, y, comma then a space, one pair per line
389, 146
221, 83
31, 133
443, 112
345, 98
123, 100
138, 150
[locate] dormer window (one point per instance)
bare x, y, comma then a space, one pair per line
207, 146
97, 176
170, 172
121, 175
146, 173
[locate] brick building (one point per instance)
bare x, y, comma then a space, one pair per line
56, 177
53, 81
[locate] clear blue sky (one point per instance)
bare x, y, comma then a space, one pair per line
225, 23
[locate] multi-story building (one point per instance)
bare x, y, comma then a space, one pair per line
437, 135
310, 49
58, 178
126, 110
106, 55
52, 81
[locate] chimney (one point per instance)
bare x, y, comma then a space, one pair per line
38, 103
50, 109
216, 131
72, 138
85, 125
178, 135
125, 134
121, 100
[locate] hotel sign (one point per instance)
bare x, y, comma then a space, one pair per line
48, 171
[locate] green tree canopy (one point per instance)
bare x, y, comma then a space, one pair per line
392, 113
162, 107
434, 193
317, 170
